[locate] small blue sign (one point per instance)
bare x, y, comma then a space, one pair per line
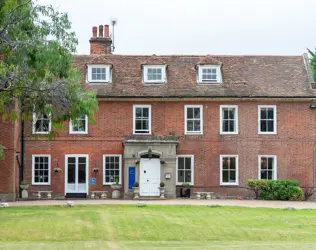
92, 181
131, 177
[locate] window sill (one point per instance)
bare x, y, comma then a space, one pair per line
141, 133
210, 83
229, 133
78, 133
40, 184
229, 184
193, 133
98, 83
41, 133
267, 133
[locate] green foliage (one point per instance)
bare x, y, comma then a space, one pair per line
282, 190
256, 186
136, 184
186, 185
313, 63
162, 184
37, 71
276, 189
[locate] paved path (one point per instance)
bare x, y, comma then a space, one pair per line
239, 203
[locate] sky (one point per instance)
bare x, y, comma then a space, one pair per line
217, 27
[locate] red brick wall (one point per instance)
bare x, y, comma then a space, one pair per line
293, 144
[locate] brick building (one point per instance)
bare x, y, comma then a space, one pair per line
210, 121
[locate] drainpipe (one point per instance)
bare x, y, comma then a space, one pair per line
22, 150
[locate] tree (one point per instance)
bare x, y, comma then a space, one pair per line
36, 65
313, 63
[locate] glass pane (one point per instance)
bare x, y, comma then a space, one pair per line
138, 112
187, 177
82, 160
264, 175
231, 113
270, 163
270, 126
94, 70
270, 175
71, 160
180, 163
263, 113
232, 163
146, 112
190, 113
225, 163
187, 163
263, 126
232, 176
180, 176
231, 126
71, 173
225, 126
225, 113
145, 124
190, 126
263, 163
270, 113
225, 176
81, 173
197, 126
196, 112
138, 124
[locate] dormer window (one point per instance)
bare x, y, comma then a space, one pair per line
209, 74
98, 73
154, 73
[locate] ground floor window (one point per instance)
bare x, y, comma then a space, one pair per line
112, 169
185, 169
229, 169
41, 169
267, 167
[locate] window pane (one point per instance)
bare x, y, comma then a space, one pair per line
232, 113
187, 177
231, 126
180, 163
138, 124
270, 163
146, 112
225, 126
225, 113
232, 163
180, 176
225, 163
145, 124
263, 113
138, 112
187, 163
196, 112
263, 126
270, 113
190, 126
190, 113
270, 175
264, 175
225, 176
232, 176
270, 126
263, 163
197, 126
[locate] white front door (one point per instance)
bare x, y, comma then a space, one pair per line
76, 174
149, 177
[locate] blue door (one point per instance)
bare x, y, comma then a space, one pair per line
131, 177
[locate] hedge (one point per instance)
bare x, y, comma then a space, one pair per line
276, 189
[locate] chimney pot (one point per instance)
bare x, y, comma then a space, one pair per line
106, 31
101, 31
94, 31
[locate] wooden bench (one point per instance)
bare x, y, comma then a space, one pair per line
38, 194
103, 194
209, 195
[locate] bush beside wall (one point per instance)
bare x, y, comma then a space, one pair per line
276, 189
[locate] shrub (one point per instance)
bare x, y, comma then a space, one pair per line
256, 186
281, 190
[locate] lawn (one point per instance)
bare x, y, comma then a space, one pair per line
155, 227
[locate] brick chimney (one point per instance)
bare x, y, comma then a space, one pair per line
100, 44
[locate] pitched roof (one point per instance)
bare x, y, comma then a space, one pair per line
243, 76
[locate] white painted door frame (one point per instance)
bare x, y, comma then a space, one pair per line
149, 177
87, 172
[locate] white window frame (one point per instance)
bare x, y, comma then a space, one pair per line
209, 82
120, 168
108, 72
41, 133
192, 169
186, 132
134, 118
275, 166
33, 169
235, 132
236, 183
163, 73
274, 119
71, 131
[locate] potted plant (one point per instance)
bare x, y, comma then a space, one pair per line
116, 194
24, 185
136, 190
162, 190
185, 190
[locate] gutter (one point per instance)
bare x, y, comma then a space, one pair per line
209, 97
